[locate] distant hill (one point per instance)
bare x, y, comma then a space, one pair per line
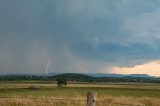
106, 77
139, 75
76, 77
85, 74
118, 75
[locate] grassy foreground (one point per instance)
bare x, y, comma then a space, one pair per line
107, 95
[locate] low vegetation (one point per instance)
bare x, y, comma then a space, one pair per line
109, 101
72, 88
79, 78
19, 94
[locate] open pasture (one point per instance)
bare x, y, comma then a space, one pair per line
25, 94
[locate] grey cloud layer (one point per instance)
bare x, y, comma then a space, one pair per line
77, 35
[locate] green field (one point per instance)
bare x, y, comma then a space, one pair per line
133, 94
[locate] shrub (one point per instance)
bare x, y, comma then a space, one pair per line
61, 82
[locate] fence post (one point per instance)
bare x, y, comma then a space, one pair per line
91, 98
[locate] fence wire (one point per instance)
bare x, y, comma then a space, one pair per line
74, 100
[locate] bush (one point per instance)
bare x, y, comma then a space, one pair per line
61, 82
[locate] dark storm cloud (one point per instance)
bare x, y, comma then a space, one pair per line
77, 35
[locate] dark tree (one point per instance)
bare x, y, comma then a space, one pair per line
61, 82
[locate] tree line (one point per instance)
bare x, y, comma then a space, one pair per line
78, 78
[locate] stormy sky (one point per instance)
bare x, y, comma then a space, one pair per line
77, 36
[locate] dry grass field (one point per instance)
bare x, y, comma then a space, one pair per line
21, 94
108, 101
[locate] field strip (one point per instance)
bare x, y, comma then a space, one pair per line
155, 87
